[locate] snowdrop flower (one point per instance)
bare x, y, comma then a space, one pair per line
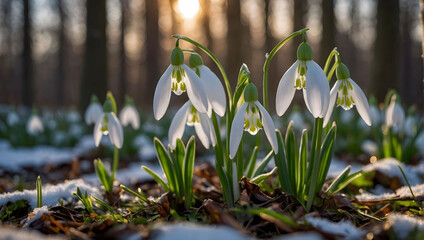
348, 93
211, 83
178, 78
12, 118
34, 124
251, 117
93, 112
108, 124
129, 114
188, 114
307, 75
395, 114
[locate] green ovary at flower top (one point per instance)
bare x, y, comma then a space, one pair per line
304, 74
178, 78
347, 93
251, 117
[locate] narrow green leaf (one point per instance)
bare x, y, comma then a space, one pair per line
157, 178
252, 162
188, 171
303, 162
346, 182
144, 199
166, 164
275, 215
39, 192
326, 155
261, 167
340, 178
177, 162
258, 179
292, 162
280, 162
102, 174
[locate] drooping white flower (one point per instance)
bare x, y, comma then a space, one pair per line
178, 78
108, 124
12, 118
304, 74
211, 83
251, 117
129, 115
188, 114
395, 115
348, 94
34, 125
93, 112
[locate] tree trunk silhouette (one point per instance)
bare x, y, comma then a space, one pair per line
328, 30
298, 23
386, 67
60, 76
422, 38
234, 57
122, 52
6, 56
205, 5
27, 62
95, 76
152, 48
408, 88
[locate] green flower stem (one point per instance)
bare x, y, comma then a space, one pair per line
315, 161
115, 164
334, 54
268, 60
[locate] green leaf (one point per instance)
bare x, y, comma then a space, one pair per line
142, 198
261, 167
258, 179
303, 162
102, 174
177, 162
39, 192
273, 214
157, 178
326, 155
291, 157
280, 162
188, 171
166, 164
252, 162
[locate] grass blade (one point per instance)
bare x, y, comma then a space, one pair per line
157, 178
166, 164
39, 192
188, 171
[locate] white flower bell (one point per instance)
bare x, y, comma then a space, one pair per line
108, 124
211, 83
395, 115
93, 112
129, 115
304, 74
348, 94
178, 78
251, 117
188, 114
34, 125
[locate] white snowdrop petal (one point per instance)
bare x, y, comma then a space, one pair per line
202, 133
97, 131
116, 133
34, 125
176, 129
195, 90
162, 94
316, 92
333, 97
214, 89
269, 127
93, 113
129, 115
286, 90
361, 103
237, 130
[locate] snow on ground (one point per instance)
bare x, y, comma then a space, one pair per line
404, 191
38, 212
337, 166
11, 233
403, 224
300, 236
187, 231
51, 193
389, 167
346, 230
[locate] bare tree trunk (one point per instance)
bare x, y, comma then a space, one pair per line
300, 7
205, 5
122, 52
152, 48
6, 56
408, 96
27, 63
234, 39
422, 36
328, 30
386, 67
95, 73
61, 55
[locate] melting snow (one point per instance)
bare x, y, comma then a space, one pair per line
403, 224
389, 167
11, 233
345, 229
38, 212
51, 193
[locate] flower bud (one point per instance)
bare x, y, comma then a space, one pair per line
250, 93
304, 52
108, 105
94, 99
342, 72
177, 56
195, 60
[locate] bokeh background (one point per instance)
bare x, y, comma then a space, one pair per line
56, 53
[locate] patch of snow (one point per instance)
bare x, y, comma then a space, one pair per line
401, 192
389, 167
300, 236
371, 197
38, 212
379, 189
404, 191
186, 231
337, 166
345, 229
403, 224
11, 233
51, 193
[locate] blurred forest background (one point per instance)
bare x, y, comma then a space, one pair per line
56, 53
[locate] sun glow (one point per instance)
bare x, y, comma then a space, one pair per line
188, 8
